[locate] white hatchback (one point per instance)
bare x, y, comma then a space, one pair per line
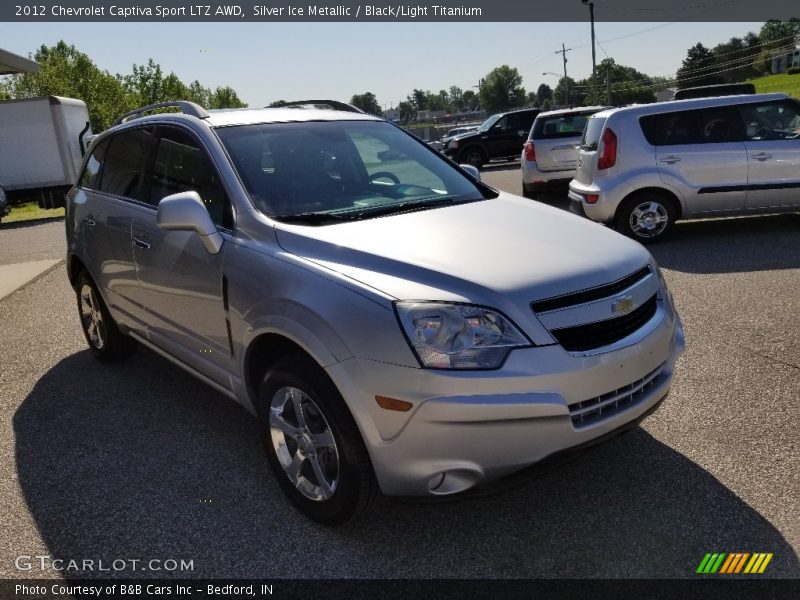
643, 167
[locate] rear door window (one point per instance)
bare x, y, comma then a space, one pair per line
125, 162
705, 126
772, 120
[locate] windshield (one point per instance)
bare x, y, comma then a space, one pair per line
487, 124
341, 170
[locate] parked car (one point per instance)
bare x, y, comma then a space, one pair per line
500, 136
644, 167
4, 207
376, 318
441, 144
42, 146
549, 156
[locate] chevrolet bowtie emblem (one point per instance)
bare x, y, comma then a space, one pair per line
622, 306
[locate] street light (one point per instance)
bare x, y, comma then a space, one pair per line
594, 56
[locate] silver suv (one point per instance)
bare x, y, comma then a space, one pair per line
643, 167
395, 324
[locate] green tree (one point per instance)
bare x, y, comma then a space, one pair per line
368, 103
407, 111
544, 92
419, 98
225, 97
64, 71
627, 85
502, 89
456, 97
566, 92
470, 100
697, 68
775, 37
146, 83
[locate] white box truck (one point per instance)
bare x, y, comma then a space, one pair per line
42, 141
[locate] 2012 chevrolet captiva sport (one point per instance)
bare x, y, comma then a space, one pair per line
396, 325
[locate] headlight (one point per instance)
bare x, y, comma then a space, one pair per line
663, 293
458, 336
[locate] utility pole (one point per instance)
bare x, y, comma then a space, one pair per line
594, 55
608, 85
563, 53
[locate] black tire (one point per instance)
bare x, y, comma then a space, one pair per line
105, 339
527, 194
349, 489
474, 156
646, 216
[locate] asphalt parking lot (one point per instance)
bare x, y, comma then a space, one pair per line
140, 461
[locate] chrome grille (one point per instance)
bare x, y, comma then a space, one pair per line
594, 410
602, 333
603, 291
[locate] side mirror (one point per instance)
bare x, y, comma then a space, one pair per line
185, 211
472, 170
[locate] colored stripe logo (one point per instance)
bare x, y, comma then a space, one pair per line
734, 563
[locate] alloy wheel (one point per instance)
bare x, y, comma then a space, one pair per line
304, 444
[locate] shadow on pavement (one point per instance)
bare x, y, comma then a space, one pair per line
734, 245
140, 461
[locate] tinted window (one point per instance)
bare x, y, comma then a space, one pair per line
90, 178
559, 126
706, 126
125, 162
591, 135
344, 168
181, 165
772, 120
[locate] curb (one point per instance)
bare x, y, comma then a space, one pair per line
36, 278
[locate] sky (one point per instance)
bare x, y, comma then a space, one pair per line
272, 61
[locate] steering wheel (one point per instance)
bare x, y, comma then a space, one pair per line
384, 175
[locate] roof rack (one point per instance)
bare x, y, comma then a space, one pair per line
334, 104
187, 108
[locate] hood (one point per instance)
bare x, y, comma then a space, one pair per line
504, 252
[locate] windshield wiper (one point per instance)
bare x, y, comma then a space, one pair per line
313, 218
409, 206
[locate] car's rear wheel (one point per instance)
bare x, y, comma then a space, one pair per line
105, 339
646, 216
313, 445
473, 156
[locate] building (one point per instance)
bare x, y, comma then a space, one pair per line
784, 61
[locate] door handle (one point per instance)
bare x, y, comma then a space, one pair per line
671, 160
762, 156
89, 221
141, 244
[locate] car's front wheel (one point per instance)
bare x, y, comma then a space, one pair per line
313, 444
105, 339
473, 156
646, 216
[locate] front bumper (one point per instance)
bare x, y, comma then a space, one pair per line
469, 428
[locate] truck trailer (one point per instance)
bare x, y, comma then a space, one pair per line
42, 142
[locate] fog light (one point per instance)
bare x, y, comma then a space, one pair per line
591, 198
